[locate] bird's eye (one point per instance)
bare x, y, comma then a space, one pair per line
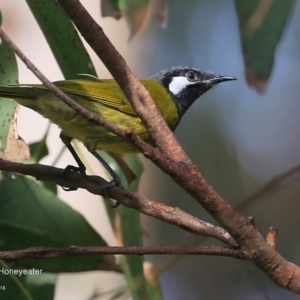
191, 76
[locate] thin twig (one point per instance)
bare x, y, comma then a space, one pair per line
52, 252
265, 187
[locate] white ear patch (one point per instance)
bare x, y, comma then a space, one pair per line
178, 84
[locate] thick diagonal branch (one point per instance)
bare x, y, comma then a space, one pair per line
136, 93
178, 165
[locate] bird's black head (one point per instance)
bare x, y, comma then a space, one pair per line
186, 85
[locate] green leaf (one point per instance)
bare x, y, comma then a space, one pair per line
135, 164
52, 187
132, 265
8, 75
131, 232
67, 48
62, 37
108, 10
58, 34
134, 11
38, 150
261, 24
32, 216
118, 4
128, 5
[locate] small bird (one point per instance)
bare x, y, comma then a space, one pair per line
173, 90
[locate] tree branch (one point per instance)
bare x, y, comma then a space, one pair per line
52, 252
178, 165
268, 185
175, 162
136, 93
172, 215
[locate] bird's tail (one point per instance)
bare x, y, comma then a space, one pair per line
24, 95
17, 92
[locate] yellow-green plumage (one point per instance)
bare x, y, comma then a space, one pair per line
173, 90
102, 97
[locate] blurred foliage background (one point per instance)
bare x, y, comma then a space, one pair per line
240, 135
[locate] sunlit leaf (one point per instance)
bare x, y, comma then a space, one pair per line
16, 149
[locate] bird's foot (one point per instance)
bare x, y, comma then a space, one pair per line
68, 169
116, 182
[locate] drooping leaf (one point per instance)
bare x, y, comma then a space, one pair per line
39, 218
131, 233
136, 16
127, 229
160, 8
138, 13
125, 5
39, 149
62, 37
67, 48
261, 24
135, 266
109, 10
16, 149
12, 146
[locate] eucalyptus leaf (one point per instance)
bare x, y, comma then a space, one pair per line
261, 25
38, 150
8, 75
62, 37
31, 216
130, 230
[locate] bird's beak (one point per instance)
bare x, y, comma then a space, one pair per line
219, 78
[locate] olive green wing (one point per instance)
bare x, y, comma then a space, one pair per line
92, 94
104, 92
88, 93
108, 93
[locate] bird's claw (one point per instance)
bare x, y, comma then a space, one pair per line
115, 182
68, 169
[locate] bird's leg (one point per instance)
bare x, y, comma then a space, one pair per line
116, 181
81, 167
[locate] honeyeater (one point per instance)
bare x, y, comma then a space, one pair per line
173, 90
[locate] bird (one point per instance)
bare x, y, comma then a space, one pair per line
173, 91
